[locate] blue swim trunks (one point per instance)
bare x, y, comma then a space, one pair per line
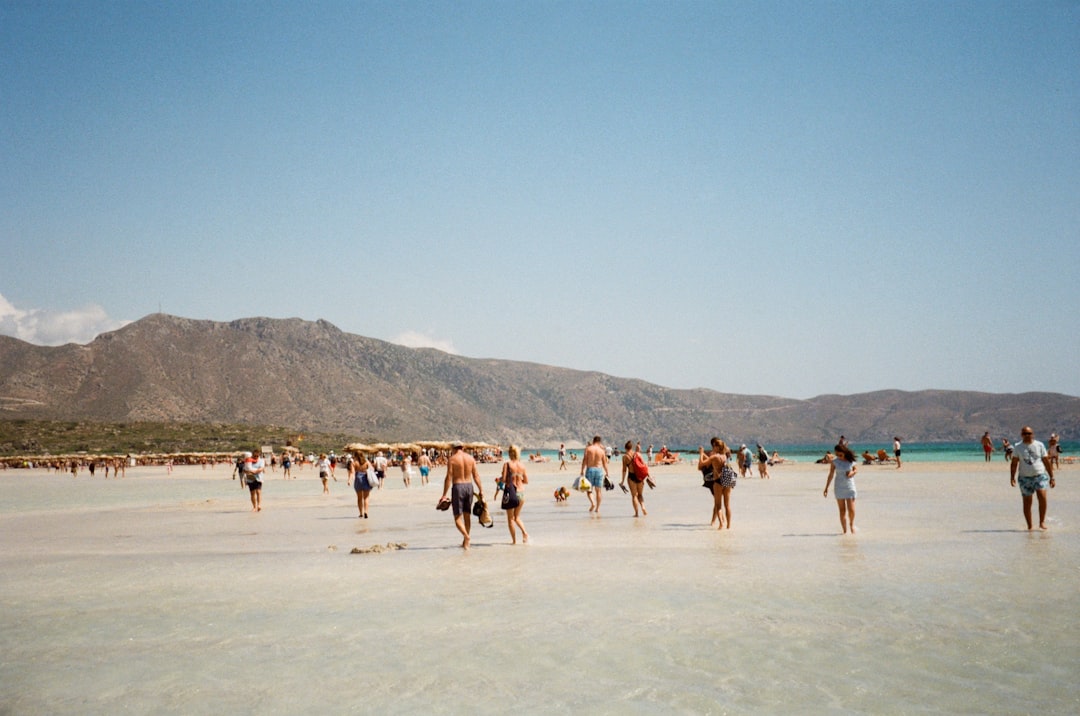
595, 476
1028, 485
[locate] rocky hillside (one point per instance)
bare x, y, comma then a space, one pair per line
311, 376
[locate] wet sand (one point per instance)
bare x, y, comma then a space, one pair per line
166, 594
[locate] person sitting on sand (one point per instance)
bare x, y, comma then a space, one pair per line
867, 458
666, 457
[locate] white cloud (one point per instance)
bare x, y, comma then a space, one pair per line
55, 328
415, 339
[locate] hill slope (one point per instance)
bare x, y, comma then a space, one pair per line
312, 376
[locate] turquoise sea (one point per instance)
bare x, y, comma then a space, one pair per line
966, 451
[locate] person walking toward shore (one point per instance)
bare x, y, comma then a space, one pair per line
324, 472
762, 462
461, 475
562, 456
1032, 465
843, 468
514, 479
594, 468
896, 450
637, 483
254, 467
987, 446
360, 472
724, 480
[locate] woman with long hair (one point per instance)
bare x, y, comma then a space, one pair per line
514, 478
724, 478
358, 471
843, 468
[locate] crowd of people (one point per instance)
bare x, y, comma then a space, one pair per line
1031, 463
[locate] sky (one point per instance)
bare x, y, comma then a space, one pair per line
766, 198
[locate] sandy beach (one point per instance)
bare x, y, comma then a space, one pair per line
164, 593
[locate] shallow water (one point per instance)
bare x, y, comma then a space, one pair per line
167, 595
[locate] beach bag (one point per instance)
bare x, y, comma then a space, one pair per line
510, 499
728, 476
641, 470
480, 511
583, 484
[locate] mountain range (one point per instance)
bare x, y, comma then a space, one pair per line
310, 375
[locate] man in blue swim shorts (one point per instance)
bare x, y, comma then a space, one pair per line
1032, 465
594, 467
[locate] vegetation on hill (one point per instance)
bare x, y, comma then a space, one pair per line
52, 437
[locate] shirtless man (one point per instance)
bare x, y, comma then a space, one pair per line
425, 467
594, 467
460, 469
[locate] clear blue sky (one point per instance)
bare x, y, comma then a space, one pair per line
789, 198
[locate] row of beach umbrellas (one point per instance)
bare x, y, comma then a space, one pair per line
353, 447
